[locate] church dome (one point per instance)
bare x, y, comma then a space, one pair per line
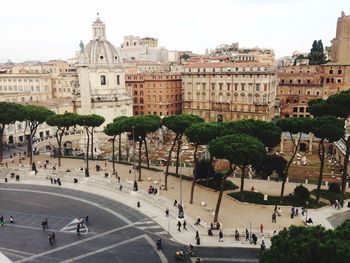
99, 50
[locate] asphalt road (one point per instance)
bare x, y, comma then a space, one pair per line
114, 233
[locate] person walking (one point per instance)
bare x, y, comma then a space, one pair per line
261, 228
221, 236
11, 220
86, 219
2, 222
78, 229
50, 240
184, 225
274, 217
179, 226
53, 237
197, 235
246, 234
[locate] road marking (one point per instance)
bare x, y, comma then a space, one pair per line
149, 227
73, 244
71, 227
161, 233
103, 249
145, 222
240, 260
123, 218
159, 251
16, 251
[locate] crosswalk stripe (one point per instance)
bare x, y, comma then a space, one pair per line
144, 222
149, 227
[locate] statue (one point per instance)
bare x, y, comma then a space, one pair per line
81, 45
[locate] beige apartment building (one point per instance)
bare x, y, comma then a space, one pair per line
229, 91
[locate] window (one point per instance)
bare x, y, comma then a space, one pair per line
101, 57
103, 80
295, 109
331, 71
118, 80
339, 71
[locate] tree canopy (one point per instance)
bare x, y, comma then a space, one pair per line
267, 132
202, 133
317, 55
240, 150
179, 123
310, 245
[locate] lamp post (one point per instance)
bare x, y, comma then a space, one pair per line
180, 206
135, 187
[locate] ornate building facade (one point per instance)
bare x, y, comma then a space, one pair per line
101, 78
229, 91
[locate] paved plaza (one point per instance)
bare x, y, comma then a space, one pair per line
118, 229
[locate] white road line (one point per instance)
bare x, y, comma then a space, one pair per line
73, 244
248, 260
149, 227
16, 251
159, 251
103, 249
144, 222
123, 218
161, 233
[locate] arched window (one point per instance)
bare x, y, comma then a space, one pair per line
103, 80
135, 100
141, 100
118, 80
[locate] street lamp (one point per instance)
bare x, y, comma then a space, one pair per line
306, 204
180, 206
135, 187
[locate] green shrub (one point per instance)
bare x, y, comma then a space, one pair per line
302, 192
334, 188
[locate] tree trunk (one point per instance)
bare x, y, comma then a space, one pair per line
120, 147
146, 152
140, 155
1, 142
242, 183
194, 173
113, 155
345, 166
92, 144
59, 143
168, 163
177, 156
295, 144
222, 184
321, 151
87, 174
210, 162
30, 149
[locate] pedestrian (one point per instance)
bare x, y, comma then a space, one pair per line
178, 226
86, 219
53, 236
118, 179
81, 221
2, 222
167, 212
184, 225
254, 239
17, 178
51, 179
221, 236
197, 235
50, 240
261, 228
274, 218
59, 181
236, 235
198, 222
78, 229
246, 234
120, 187
6, 165
43, 225
175, 202
11, 220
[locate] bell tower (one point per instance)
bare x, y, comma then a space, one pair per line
341, 42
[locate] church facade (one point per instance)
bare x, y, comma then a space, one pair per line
100, 88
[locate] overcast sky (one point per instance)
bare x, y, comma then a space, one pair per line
44, 29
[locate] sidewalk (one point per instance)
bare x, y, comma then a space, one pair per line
233, 214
